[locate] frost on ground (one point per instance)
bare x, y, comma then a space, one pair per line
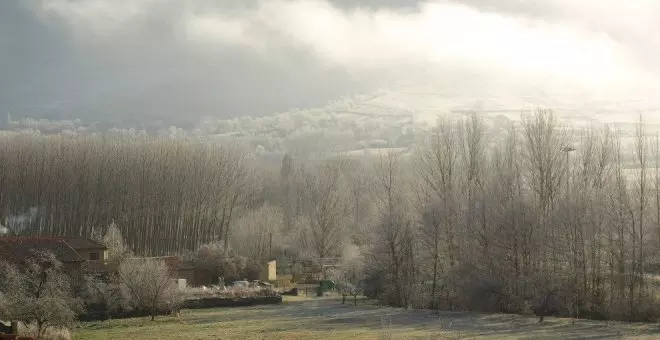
398, 323
328, 319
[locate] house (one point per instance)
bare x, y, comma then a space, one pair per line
17, 250
87, 249
71, 251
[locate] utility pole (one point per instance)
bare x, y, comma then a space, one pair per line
566, 150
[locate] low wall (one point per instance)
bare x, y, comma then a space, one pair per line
95, 314
216, 302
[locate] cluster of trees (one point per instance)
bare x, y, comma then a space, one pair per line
550, 220
41, 295
543, 218
223, 266
46, 297
134, 283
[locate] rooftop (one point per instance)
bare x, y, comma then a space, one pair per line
17, 249
79, 242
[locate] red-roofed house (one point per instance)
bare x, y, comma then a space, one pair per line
71, 251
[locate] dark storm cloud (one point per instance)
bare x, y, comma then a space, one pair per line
146, 74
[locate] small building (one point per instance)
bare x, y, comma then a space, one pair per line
268, 271
87, 249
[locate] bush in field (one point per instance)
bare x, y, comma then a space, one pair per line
39, 296
232, 292
50, 334
103, 295
221, 263
148, 285
252, 270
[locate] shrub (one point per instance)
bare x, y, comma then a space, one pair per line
32, 331
149, 286
221, 263
232, 292
102, 296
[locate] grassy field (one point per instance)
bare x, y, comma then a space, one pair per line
328, 319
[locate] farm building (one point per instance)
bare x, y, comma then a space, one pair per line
71, 251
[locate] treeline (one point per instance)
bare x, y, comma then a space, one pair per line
546, 219
167, 195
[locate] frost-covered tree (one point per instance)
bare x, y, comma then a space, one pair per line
117, 247
40, 294
149, 286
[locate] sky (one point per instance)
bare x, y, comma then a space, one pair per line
140, 60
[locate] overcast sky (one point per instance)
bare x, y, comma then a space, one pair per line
185, 59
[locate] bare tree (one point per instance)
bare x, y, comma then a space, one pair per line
117, 248
148, 284
258, 232
327, 211
641, 151
472, 146
546, 168
438, 166
656, 183
394, 244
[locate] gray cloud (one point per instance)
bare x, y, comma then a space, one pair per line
179, 60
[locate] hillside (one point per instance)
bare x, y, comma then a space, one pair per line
399, 117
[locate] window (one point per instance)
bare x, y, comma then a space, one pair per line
93, 256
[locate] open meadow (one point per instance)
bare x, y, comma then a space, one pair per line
328, 319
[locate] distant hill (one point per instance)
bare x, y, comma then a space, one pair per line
399, 117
